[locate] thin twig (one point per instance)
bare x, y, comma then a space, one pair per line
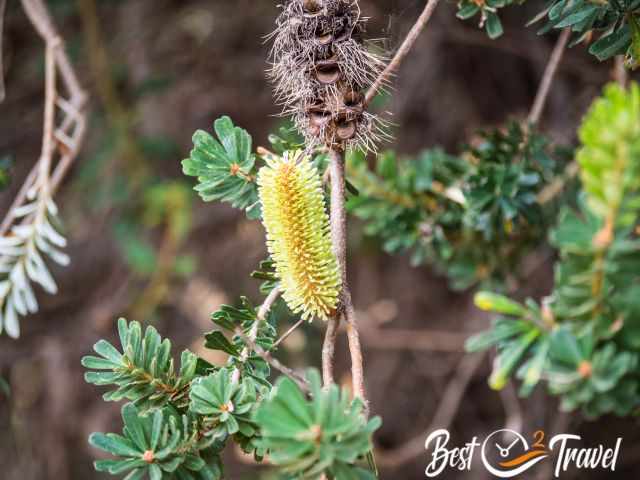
286, 334
328, 350
3, 4
339, 241
403, 51
326, 176
443, 417
547, 78
620, 73
49, 113
274, 362
353, 339
263, 311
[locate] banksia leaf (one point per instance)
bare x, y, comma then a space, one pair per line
158, 446
224, 166
225, 405
144, 372
298, 239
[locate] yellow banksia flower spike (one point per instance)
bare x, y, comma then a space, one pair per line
298, 235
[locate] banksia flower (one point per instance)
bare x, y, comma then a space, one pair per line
321, 71
298, 236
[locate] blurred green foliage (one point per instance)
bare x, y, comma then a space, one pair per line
5, 172
585, 338
472, 216
5, 388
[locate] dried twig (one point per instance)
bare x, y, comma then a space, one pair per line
402, 52
49, 115
28, 217
443, 417
548, 76
66, 139
339, 241
554, 188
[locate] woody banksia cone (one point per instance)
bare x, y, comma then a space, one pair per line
298, 235
321, 70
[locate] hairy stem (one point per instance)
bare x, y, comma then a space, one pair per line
339, 240
548, 76
403, 51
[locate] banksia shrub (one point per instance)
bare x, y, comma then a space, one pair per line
584, 339
321, 70
298, 237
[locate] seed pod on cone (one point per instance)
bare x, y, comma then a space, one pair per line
321, 71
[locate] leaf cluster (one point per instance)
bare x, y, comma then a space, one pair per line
34, 239
237, 323
177, 424
487, 12
609, 27
585, 338
473, 216
161, 445
615, 23
144, 371
327, 434
225, 167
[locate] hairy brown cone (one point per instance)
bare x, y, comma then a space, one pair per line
320, 69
